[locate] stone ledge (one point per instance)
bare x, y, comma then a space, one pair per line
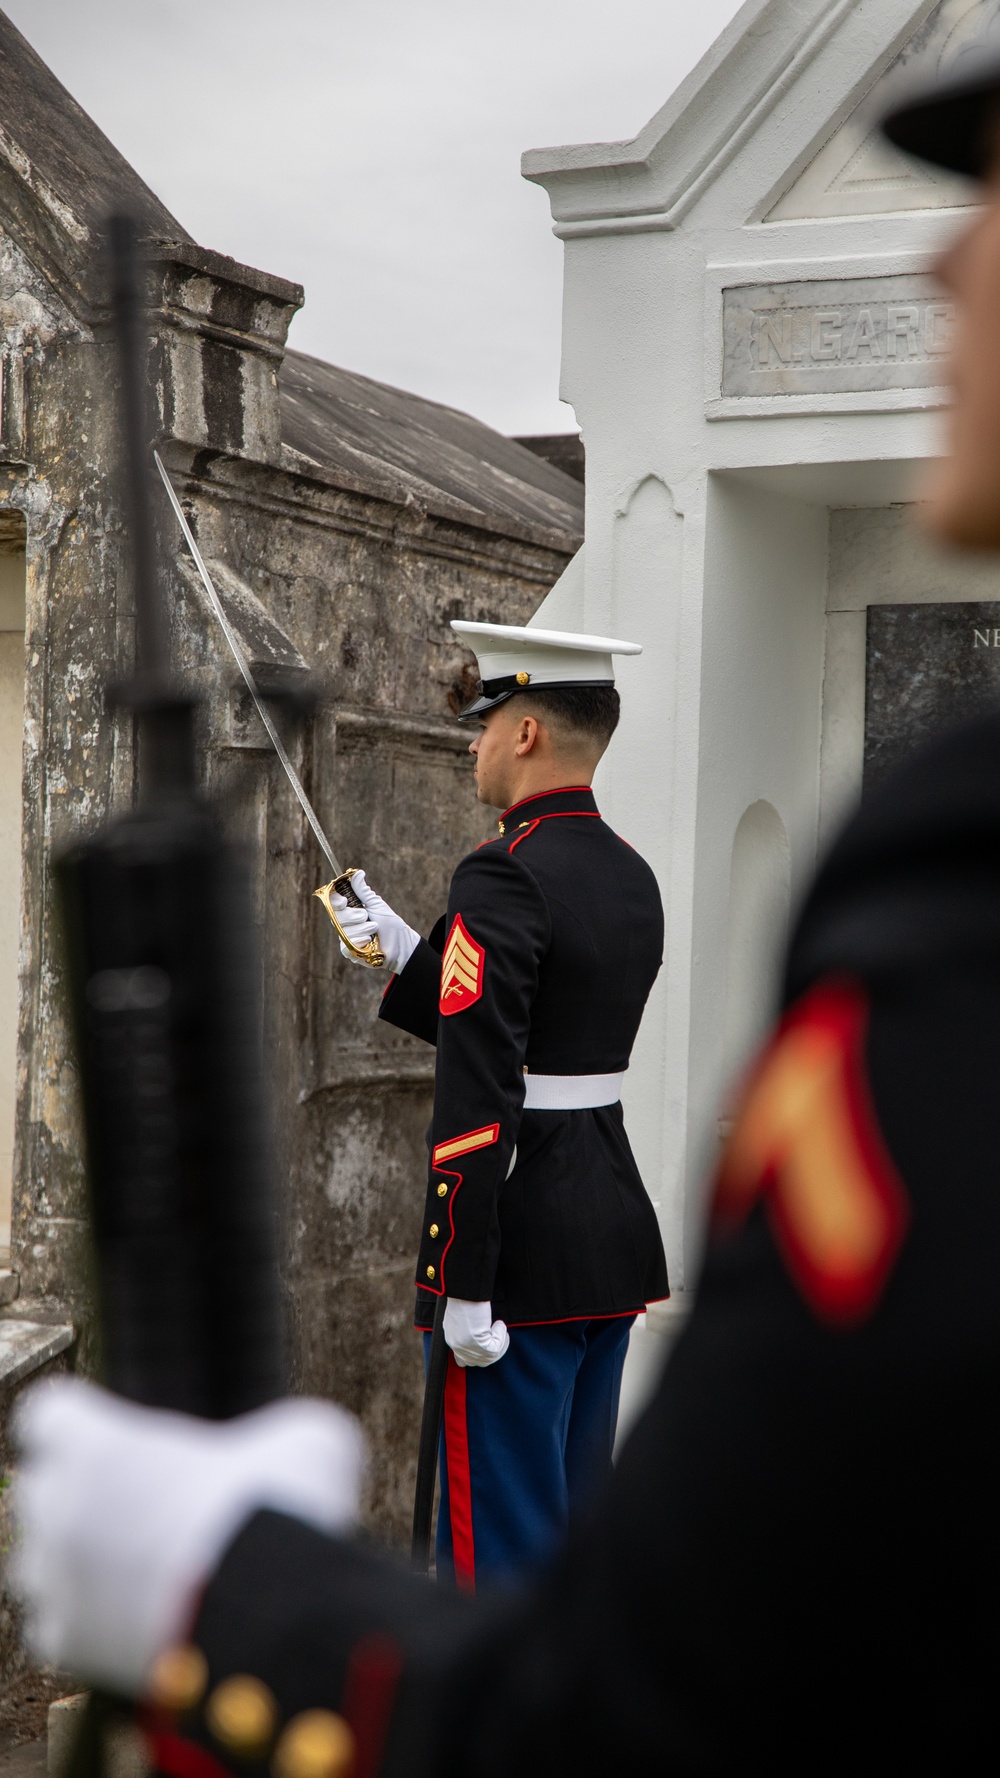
26, 1345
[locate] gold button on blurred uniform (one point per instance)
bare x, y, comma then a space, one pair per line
316, 1744
522, 678
178, 1678
442, 1191
430, 1271
434, 1231
242, 1714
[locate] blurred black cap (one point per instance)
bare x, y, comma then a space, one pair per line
953, 121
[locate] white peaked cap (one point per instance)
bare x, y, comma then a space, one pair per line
515, 658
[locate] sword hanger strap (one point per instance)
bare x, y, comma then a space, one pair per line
371, 951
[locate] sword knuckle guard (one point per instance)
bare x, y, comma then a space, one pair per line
371, 951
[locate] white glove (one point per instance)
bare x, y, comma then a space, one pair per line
473, 1335
123, 1512
397, 940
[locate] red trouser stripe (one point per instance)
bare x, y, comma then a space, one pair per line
456, 1449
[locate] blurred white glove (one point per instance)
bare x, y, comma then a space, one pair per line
398, 940
123, 1513
473, 1335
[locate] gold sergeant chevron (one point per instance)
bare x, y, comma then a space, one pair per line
461, 970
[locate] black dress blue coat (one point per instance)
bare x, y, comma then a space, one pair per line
551, 944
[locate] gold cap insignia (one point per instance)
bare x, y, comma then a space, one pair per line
522, 678
242, 1714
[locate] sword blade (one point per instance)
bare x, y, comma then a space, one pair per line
241, 661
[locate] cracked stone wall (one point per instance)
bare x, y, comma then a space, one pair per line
318, 575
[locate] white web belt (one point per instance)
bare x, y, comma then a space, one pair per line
570, 1092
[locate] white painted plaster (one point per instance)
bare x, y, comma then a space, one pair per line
760, 887
741, 537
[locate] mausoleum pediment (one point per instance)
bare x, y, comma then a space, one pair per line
778, 122
856, 172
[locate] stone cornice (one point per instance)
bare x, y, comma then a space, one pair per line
319, 500
652, 181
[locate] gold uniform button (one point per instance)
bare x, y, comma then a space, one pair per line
178, 1678
442, 1191
434, 1231
242, 1714
522, 678
316, 1744
431, 1272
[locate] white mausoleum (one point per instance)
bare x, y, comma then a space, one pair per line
753, 345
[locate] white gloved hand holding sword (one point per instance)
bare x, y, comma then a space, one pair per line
396, 938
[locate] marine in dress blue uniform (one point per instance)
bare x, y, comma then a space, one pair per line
534, 1200
797, 1562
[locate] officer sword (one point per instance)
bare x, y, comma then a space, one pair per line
340, 884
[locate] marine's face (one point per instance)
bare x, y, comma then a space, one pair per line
492, 750
964, 488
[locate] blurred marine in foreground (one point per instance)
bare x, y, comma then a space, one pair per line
796, 1564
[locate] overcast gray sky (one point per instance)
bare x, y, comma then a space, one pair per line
370, 149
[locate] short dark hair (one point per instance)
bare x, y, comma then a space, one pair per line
587, 713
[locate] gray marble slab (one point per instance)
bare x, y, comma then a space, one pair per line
26, 1345
926, 666
831, 334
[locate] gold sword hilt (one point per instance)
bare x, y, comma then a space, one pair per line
371, 951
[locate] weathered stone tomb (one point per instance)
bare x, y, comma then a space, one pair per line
346, 523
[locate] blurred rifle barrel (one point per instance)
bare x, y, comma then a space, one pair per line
165, 986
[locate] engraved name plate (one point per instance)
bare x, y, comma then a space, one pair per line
926, 667
839, 334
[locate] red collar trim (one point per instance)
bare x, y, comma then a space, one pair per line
543, 796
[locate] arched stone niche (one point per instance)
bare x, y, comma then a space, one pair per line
760, 882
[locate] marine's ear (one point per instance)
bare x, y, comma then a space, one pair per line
528, 731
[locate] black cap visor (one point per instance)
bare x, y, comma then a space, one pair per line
497, 691
953, 123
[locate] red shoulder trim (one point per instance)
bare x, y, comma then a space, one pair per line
523, 835
560, 815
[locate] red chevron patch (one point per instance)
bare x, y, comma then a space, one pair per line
807, 1141
461, 970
